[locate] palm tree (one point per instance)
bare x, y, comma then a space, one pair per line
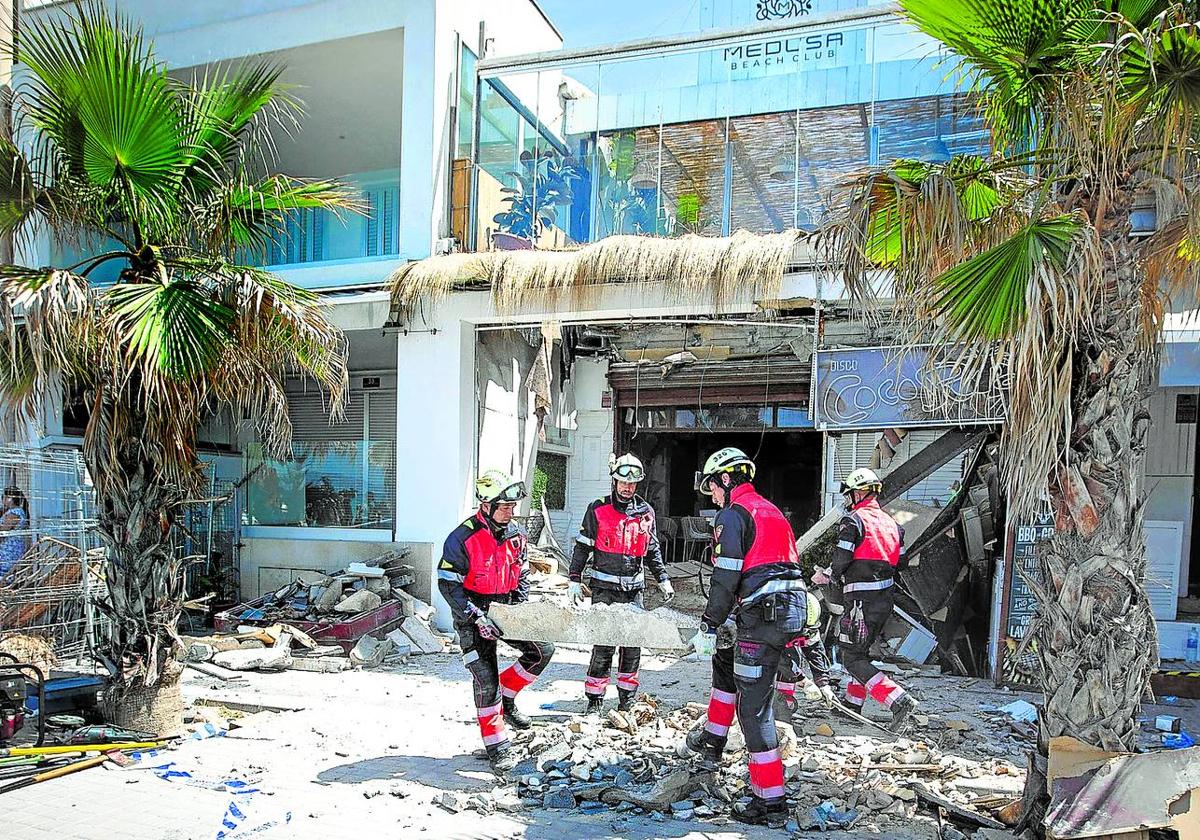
168, 175
1026, 265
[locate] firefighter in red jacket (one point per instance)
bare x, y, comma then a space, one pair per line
757, 576
618, 536
864, 563
484, 561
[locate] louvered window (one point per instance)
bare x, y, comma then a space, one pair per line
301, 241
383, 204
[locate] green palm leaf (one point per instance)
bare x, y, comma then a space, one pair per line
1016, 50
984, 298
175, 329
107, 107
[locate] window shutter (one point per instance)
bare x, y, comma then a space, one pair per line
371, 198
309, 412
390, 200
318, 235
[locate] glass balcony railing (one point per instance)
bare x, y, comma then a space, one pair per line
327, 484
308, 236
757, 133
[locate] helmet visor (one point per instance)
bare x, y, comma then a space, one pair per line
706, 484
512, 493
628, 472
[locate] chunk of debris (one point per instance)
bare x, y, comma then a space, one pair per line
262, 659
602, 624
423, 639
363, 600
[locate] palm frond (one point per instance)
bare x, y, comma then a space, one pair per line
985, 297
174, 330
97, 93
1016, 52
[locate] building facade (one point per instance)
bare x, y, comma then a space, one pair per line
466, 127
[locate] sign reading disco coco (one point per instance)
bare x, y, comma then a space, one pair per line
882, 387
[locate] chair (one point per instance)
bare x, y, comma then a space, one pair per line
668, 533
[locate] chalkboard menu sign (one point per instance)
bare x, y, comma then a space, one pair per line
1021, 605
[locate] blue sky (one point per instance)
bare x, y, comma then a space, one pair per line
586, 22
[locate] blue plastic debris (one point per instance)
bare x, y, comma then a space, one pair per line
1177, 740
826, 816
1169, 700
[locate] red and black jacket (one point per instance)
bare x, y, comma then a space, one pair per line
869, 550
482, 565
754, 555
622, 542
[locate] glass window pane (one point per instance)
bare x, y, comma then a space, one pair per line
764, 157
735, 417
789, 417
466, 103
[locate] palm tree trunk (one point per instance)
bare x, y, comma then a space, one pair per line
144, 577
1095, 633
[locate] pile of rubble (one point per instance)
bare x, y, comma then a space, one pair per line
359, 588
635, 763
357, 617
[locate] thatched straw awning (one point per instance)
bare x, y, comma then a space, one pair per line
690, 269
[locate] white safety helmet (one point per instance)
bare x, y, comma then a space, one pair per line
862, 479
730, 459
498, 486
626, 468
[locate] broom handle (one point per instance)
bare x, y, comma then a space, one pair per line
74, 767
79, 748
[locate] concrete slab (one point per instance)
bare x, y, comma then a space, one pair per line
599, 624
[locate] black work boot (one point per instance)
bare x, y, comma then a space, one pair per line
625, 701
700, 748
772, 813
503, 762
513, 715
902, 709
595, 705
784, 706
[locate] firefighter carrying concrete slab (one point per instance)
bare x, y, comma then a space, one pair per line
864, 563
485, 561
619, 537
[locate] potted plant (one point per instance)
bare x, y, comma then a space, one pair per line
539, 188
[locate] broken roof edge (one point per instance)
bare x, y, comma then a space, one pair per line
692, 268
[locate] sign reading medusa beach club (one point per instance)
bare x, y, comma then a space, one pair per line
890, 387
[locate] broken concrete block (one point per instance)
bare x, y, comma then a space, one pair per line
604, 624
370, 652
423, 639
379, 586
401, 644
329, 597
364, 571
321, 664
363, 600
679, 785
411, 605
265, 659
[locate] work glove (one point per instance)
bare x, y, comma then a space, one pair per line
576, 590
827, 695
821, 576
726, 635
668, 591
811, 692
704, 642
487, 628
